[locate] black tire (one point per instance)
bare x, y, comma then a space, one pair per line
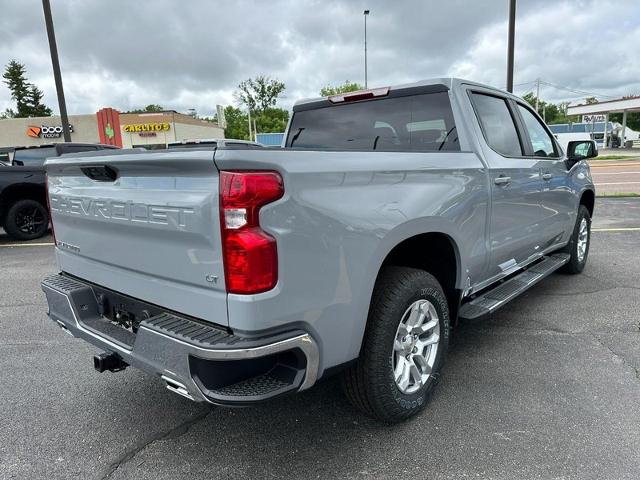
576, 263
26, 220
370, 384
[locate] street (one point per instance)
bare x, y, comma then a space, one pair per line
547, 388
616, 177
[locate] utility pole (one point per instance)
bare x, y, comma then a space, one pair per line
249, 113
366, 14
510, 44
537, 94
48, 20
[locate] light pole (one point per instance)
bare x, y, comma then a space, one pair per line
48, 20
512, 34
366, 14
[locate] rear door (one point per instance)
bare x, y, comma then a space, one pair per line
143, 224
556, 198
516, 213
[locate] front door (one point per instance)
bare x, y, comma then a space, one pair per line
556, 198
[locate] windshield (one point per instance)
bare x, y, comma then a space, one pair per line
33, 156
411, 123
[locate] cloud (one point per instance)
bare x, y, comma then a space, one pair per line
193, 54
574, 44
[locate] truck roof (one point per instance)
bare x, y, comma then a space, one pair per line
446, 83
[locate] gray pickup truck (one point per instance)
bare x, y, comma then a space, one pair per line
238, 275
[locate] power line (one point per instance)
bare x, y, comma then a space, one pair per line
574, 90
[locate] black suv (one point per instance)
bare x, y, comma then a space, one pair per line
23, 202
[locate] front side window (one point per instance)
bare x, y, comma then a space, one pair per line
541, 141
497, 124
421, 123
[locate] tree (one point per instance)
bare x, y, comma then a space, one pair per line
633, 119
550, 112
591, 100
152, 107
27, 96
272, 120
259, 94
34, 98
237, 123
346, 87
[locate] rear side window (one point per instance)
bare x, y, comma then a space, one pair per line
421, 123
541, 141
497, 124
30, 157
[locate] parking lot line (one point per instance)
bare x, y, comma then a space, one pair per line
619, 229
9, 245
617, 183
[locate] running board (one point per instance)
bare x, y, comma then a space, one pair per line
488, 302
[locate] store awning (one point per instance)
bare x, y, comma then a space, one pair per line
609, 106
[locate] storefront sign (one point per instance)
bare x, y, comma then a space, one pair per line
46, 131
147, 127
593, 118
148, 134
109, 131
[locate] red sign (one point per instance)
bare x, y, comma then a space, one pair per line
109, 126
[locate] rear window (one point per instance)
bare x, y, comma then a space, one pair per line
33, 156
422, 123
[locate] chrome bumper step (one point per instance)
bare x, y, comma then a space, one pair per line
201, 361
488, 302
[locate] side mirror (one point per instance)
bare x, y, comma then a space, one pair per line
580, 150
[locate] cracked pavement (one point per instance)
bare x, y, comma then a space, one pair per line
549, 387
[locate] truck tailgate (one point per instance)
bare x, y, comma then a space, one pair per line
144, 224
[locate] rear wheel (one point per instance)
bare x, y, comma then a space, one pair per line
26, 219
404, 346
578, 246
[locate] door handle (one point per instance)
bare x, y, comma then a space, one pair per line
547, 176
502, 180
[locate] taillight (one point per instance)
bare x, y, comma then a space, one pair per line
249, 253
46, 194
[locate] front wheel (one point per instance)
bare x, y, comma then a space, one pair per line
578, 246
404, 347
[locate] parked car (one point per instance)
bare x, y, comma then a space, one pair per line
5, 155
23, 205
240, 275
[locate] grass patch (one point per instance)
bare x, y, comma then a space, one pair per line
618, 194
613, 157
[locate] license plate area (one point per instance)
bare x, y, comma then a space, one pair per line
113, 315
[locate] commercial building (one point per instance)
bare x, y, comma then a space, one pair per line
270, 139
149, 130
596, 130
601, 111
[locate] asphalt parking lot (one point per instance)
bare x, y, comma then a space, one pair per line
548, 388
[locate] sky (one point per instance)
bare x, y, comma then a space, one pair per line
193, 53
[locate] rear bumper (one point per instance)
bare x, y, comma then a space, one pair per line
195, 359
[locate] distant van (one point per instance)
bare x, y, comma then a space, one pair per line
565, 138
